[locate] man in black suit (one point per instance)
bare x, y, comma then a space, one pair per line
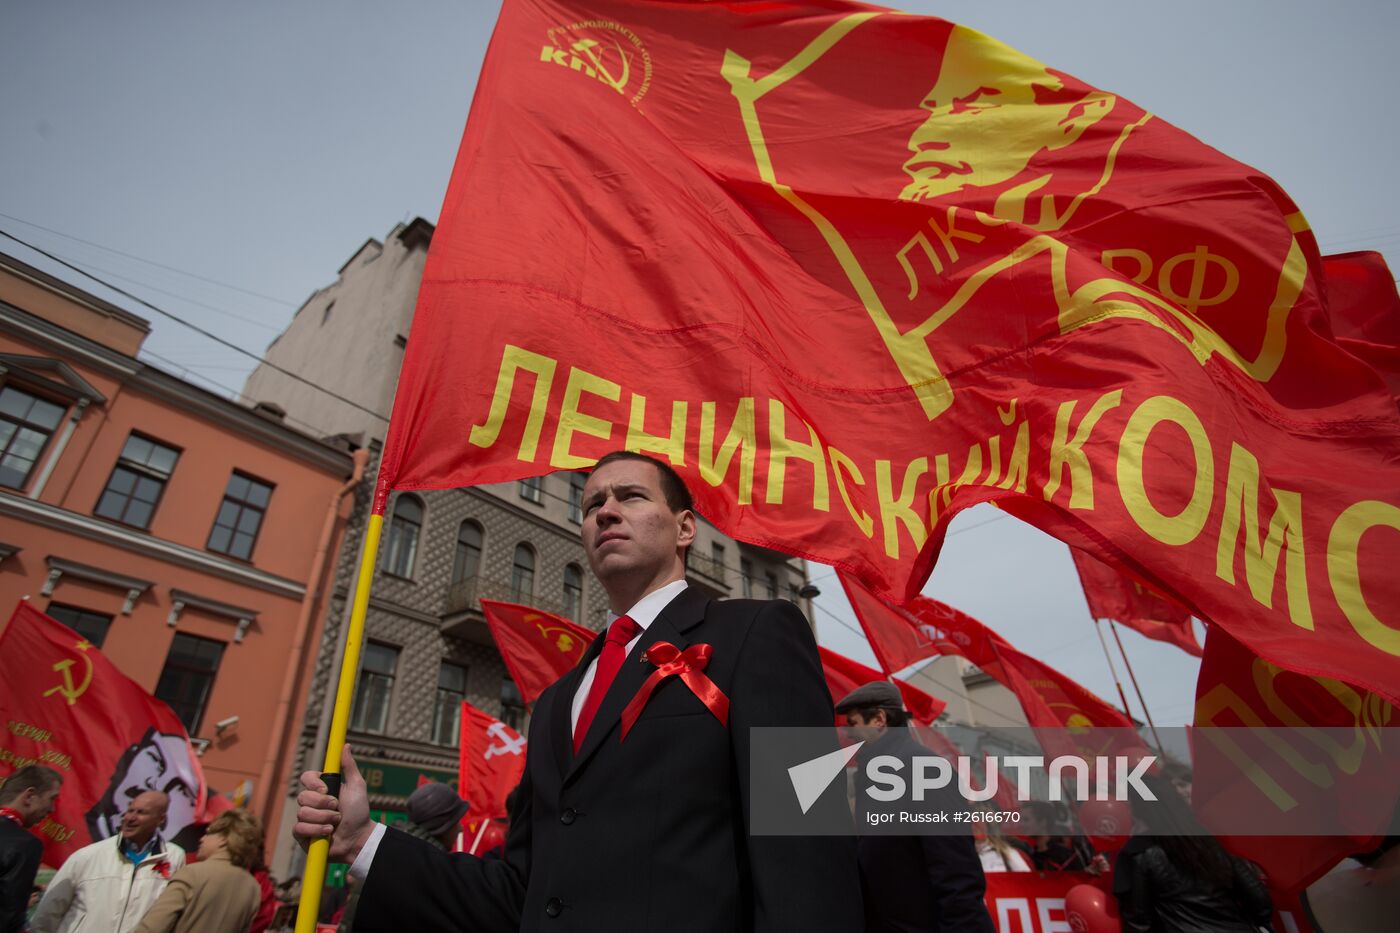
647, 831
911, 884
26, 798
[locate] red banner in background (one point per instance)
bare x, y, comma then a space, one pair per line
927, 628
66, 706
1111, 595
490, 763
853, 272
844, 675
537, 646
1364, 311
1356, 783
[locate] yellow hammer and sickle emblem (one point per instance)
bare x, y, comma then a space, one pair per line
64, 668
587, 47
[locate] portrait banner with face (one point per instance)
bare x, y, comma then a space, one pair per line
537, 646
844, 675
1113, 595
853, 271
66, 706
491, 761
1054, 704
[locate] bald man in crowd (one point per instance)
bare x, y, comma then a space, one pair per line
110, 884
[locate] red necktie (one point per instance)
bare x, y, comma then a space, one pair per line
610, 661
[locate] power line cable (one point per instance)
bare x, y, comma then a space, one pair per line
189, 373
194, 327
149, 262
194, 301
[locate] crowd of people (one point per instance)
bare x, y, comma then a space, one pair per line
136, 881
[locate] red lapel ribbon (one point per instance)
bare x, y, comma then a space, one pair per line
689, 665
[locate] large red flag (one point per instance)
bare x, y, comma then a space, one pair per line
853, 272
1111, 595
490, 763
844, 675
1353, 786
1365, 312
927, 628
537, 646
66, 706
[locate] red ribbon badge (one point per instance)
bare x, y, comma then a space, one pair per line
689, 666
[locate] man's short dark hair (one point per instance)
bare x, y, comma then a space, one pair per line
42, 779
672, 486
894, 716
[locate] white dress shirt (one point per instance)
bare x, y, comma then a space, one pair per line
643, 613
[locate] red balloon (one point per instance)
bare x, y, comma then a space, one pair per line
1107, 823
1090, 910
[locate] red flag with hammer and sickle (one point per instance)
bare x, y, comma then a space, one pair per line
65, 705
492, 759
537, 646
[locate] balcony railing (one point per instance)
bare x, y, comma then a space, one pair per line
467, 594
707, 567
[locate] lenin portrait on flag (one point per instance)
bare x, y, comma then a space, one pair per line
988, 119
152, 763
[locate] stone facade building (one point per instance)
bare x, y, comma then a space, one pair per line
427, 646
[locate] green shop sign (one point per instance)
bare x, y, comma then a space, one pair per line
399, 780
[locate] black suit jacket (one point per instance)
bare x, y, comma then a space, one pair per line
920, 883
650, 833
20, 853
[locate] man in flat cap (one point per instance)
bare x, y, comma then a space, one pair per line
435, 814
917, 883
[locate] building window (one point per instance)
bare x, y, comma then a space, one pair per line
573, 592
576, 481
512, 704
403, 537
373, 688
26, 424
188, 677
447, 713
532, 489
522, 573
466, 562
770, 579
91, 625
137, 481
240, 516
746, 576
717, 558
326, 314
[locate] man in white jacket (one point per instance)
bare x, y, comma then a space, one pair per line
108, 886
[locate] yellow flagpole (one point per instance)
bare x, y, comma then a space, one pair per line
318, 853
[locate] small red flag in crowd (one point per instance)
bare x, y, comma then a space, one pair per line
844, 675
490, 763
67, 706
1112, 595
927, 628
537, 646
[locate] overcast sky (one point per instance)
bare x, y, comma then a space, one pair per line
224, 160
